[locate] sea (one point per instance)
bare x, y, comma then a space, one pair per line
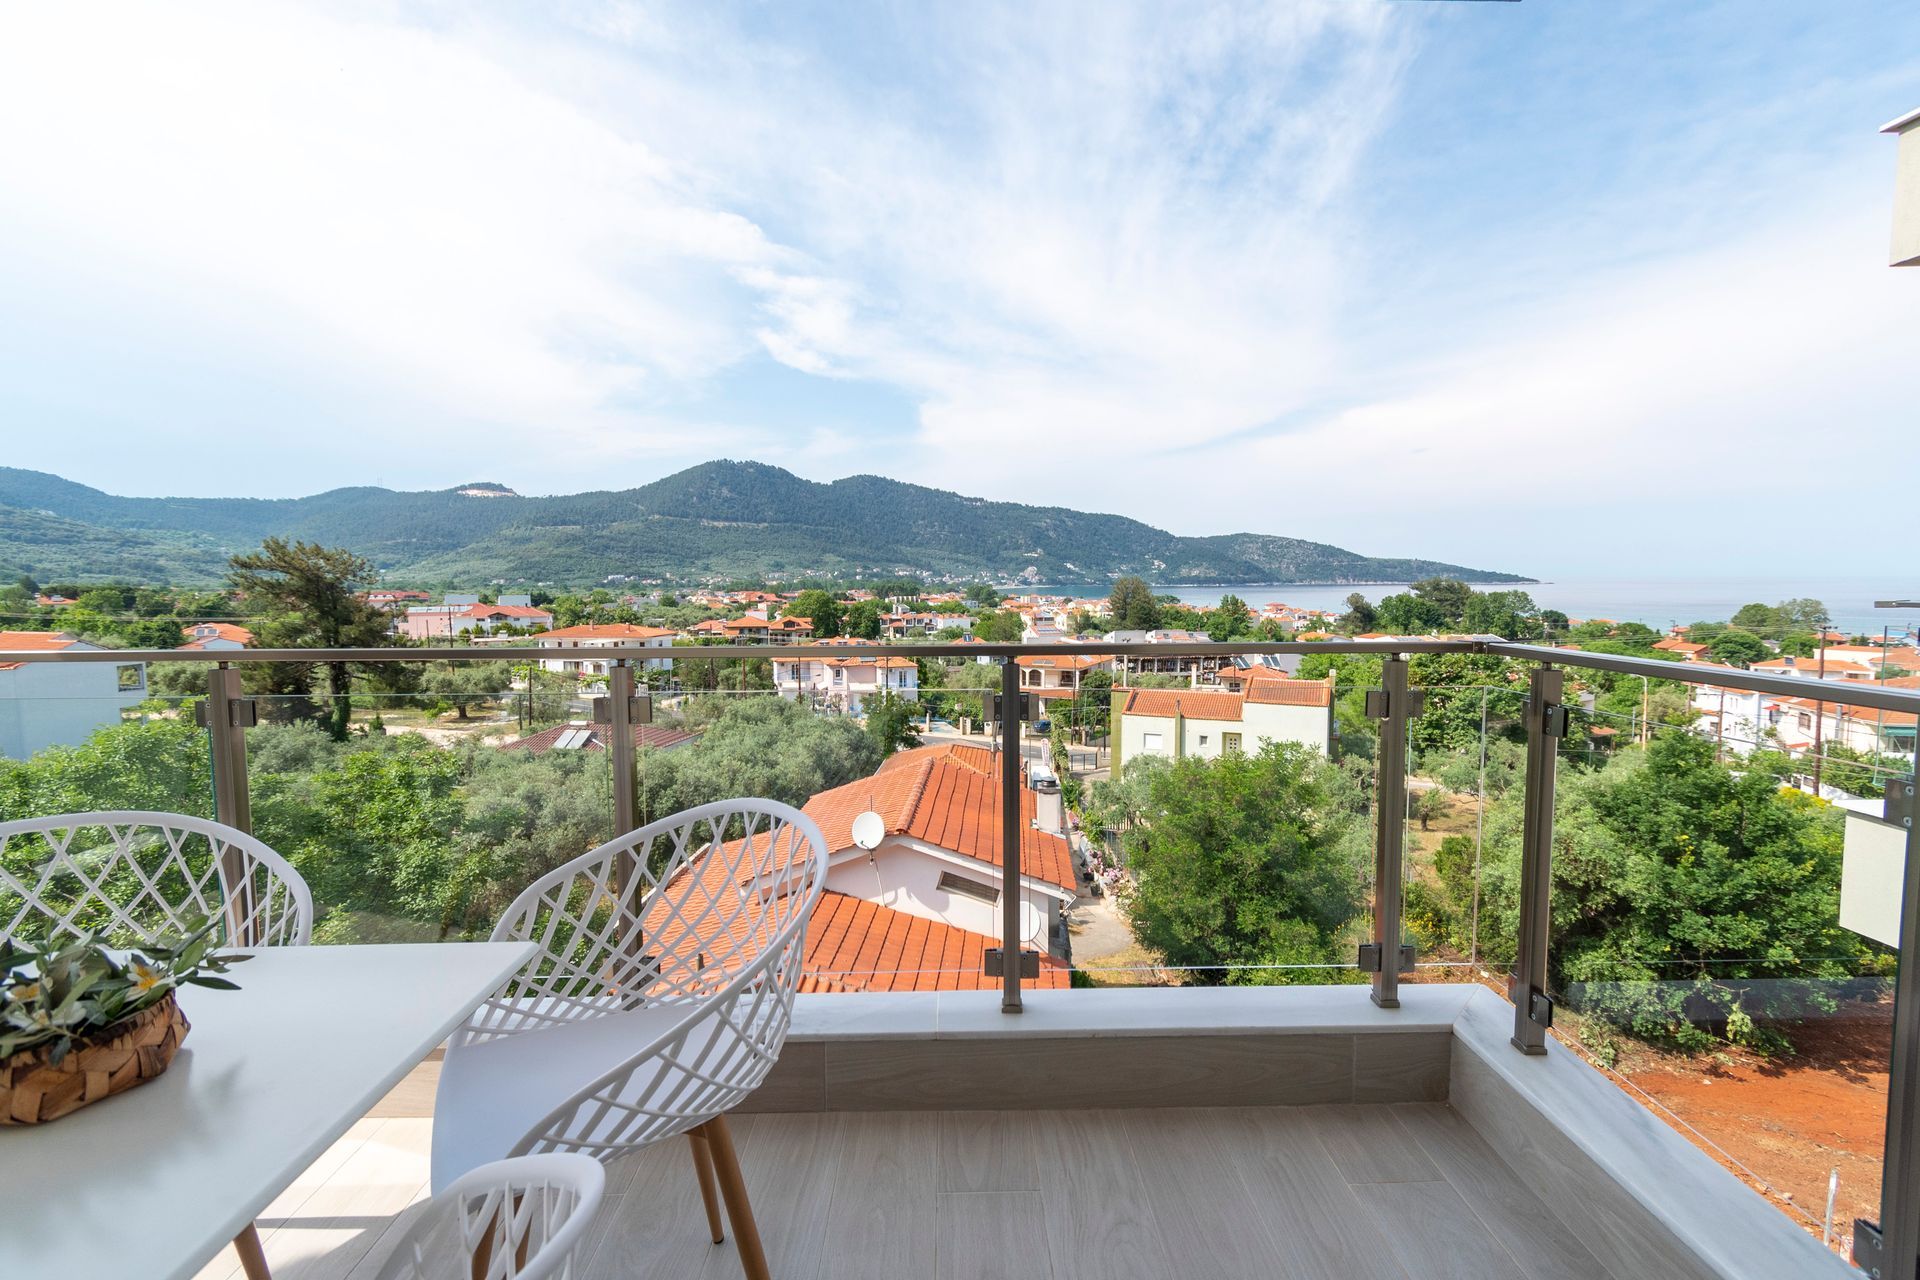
1657, 602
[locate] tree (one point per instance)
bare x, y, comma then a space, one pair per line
1231, 619
1680, 887
818, 607
891, 721
1448, 596
465, 685
982, 595
862, 621
313, 594
1092, 705
1426, 804
999, 626
1133, 606
1738, 648
1360, 616
1246, 860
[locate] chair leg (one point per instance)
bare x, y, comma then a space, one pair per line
733, 1189
709, 1193
253, 1258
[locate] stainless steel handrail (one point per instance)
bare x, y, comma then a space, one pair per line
1853, 694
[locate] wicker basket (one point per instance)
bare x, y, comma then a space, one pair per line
130, 1052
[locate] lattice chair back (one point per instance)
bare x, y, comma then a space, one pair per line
699, 919
132, 877
519, 1219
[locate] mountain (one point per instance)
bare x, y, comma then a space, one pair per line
715, 520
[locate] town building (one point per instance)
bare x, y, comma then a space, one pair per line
216, 636
1197, 669
578, 648
59, 704
940, 856
845, 683
1207, 723
446, 621
1059, 676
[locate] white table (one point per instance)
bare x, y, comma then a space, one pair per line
155, 1181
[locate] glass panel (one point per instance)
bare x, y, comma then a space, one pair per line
1226, 835
101, 748
1702, 952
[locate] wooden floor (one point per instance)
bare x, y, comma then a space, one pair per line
1321, 1193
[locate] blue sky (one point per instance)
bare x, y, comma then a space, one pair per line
1566, 288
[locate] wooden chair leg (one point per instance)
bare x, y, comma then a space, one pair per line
253, 1257
733, 1189
709, 1193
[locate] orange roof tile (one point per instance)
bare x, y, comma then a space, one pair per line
947, 796
856, 945
35, 641
1167, 703
1291, 693
606, 631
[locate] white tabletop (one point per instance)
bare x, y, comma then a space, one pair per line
154, 1181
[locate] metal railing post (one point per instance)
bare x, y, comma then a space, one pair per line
1393, 705
1011, 959
1892, 1247
1527, 984
227, 716
626, 807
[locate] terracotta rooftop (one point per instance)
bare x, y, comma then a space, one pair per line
216, 631
39, 641
1291, 693
947, 796
856, 945
606, 631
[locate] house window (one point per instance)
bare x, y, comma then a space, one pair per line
1033, 678
1804, 720
132, 677
1152, 742
968, 888
1203, 739
1229, 742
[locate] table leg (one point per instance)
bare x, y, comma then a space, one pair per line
253, 1258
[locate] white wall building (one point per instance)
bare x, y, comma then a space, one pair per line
1177, 723
845, 683
578, 648
47, 704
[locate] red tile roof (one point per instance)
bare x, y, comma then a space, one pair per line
606, 631
221, 631
37, 641
856, 945
1291, 693
947, 796
1167, 703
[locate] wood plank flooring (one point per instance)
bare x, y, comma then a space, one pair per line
1402, 1192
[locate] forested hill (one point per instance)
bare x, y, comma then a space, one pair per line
718, 519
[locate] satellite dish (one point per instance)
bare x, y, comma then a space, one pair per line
1032, 923
869, 829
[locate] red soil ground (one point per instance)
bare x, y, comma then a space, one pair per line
1790, 1120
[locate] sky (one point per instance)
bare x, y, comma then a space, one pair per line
1583, 287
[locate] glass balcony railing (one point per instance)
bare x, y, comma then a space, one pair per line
1723, 924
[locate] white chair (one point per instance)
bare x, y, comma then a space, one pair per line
519, 1219
133, 876
660, 998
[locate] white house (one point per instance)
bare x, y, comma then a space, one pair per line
442, 621
1177, 723
580, 646
1201, 669
46, 704
939, 857
217, 636
845, 682
1049, 676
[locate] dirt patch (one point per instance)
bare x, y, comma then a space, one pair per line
1790, 1120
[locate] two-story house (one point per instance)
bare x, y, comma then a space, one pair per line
845, 683
49, 704
1205, 723
579, 650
